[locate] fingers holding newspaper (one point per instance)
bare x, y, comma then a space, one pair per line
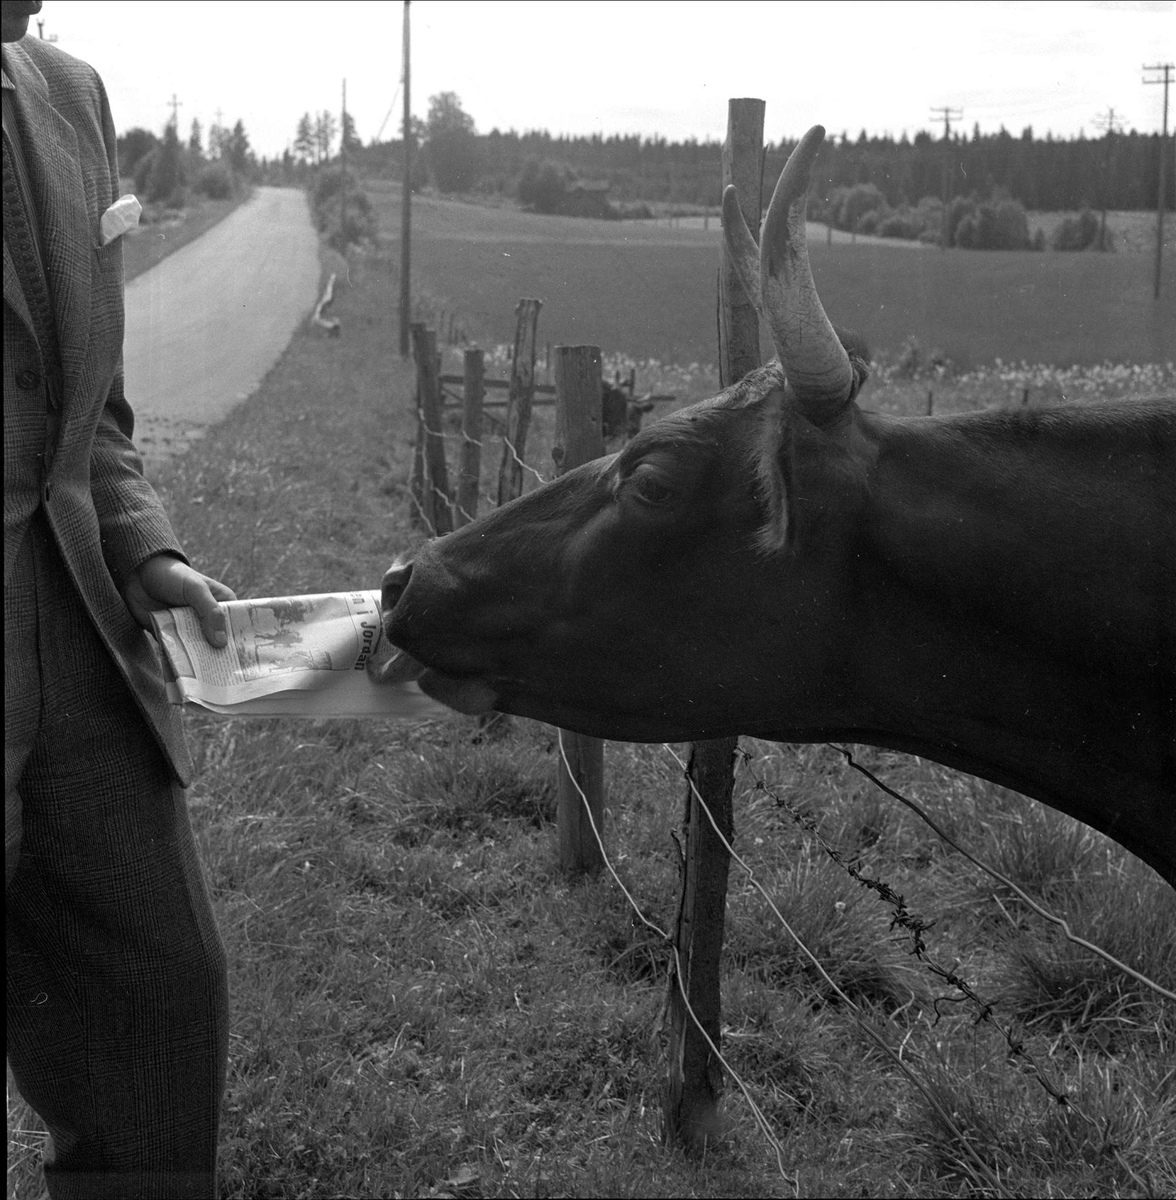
164, 581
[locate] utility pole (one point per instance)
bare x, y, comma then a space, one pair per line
405, 208
948, 115
41, 31
174, 105
1161, 200
1110, 125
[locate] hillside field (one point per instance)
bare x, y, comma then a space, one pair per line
648, 290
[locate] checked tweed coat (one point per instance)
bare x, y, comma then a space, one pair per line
67, 424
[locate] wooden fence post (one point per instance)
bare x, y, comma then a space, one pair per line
518, 408
436, 473
471, 437
694, 1083
579, 439
422, 497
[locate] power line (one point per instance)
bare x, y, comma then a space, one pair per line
948, 114
1108, 123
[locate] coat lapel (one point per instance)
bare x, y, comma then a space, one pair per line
50, 148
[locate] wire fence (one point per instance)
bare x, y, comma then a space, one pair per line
485, 438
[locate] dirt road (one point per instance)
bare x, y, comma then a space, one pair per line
207, 323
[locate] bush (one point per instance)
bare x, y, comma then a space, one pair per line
342, 210
542, 186
215, 181
998, 224
868, 222
1076, 233
856, 202
902, 223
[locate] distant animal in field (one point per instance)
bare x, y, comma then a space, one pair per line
614, 410
621, 414
994, 591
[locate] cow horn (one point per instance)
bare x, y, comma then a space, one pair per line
745, 254
813, 358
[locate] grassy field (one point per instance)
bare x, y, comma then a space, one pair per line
651, 289
422, 1006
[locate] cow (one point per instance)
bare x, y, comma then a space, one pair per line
619, 414
995, 591
614, 411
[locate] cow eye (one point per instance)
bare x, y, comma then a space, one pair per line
650, 486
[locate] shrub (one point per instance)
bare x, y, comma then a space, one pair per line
859, 200
902, 223
998, 224
215, 181
542, 186
1076, 233
342, 210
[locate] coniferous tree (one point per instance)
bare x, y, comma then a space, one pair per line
304, 139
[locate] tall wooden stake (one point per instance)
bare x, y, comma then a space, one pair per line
406, 207
578, 439
429, 384
694, 1084
470, 470
518, 406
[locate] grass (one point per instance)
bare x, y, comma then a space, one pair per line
629, 284
423, 1006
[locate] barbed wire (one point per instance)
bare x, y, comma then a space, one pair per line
439, 495
915, 928
986, 1173
758, 1116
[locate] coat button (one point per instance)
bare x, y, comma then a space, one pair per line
27, 380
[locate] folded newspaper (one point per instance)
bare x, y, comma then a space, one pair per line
292, 656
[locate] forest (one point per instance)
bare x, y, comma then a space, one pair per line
1117, 171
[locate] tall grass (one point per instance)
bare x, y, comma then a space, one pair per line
423, 1005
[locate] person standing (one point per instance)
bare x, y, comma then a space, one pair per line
117, 992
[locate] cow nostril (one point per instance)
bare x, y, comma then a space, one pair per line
396, 579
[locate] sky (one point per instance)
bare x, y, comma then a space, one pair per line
650, 68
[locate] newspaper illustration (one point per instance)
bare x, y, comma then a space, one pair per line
298, 656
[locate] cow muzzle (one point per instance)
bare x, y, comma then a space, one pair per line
388, 664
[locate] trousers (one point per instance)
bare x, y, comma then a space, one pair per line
118, 1016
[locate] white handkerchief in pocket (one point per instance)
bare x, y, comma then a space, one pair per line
122, 215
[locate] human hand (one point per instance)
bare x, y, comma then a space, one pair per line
163, 581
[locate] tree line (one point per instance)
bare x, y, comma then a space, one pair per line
1117, 171
166, 170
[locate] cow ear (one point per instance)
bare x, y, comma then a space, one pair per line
772, 473
745, 255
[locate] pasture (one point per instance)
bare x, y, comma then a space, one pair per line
422, 1006
650, 289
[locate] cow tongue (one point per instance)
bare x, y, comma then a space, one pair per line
389, 664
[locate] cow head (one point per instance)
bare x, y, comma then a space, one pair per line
617, 599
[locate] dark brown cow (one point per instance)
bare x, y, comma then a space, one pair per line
994, 591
